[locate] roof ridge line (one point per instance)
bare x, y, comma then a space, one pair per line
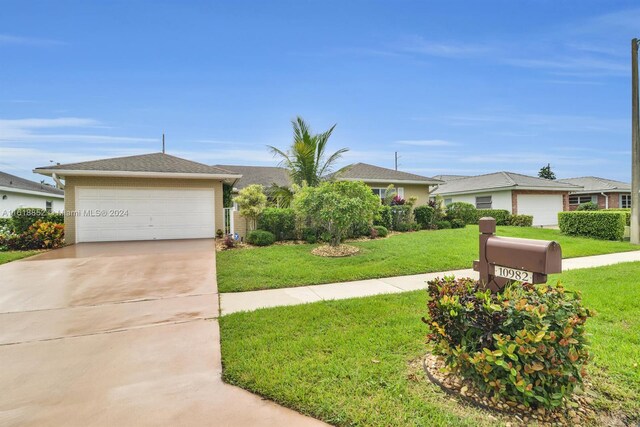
511, 180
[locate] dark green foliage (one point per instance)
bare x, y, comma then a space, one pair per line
424, 216
526, 345
521, 220
55, 217
627, 212
457, 223
502, 216
219, 233
261, 238
23, 218
442, 225
310, 235
279, 221
40, 235
382, 231
608, 225
589, 206
227, 198
383, 217
546, 172
461, 210
400, 214
407, 226
359, 230
6, 222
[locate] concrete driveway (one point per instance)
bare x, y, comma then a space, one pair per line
119, 334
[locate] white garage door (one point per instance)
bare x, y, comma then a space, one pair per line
543, 207
113, 214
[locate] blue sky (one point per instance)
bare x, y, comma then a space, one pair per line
455, 87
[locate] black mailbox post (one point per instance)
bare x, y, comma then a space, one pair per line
506, 259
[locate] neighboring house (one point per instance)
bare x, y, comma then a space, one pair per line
16, 192
145, 197
378, 178
519, 194
606, 193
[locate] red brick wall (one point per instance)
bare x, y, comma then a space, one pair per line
514, 198
614, 201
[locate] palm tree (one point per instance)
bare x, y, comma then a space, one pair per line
306, 159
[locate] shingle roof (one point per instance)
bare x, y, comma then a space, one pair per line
12, 181
593, 184
371, 173
263, 175
447, 178
502, 180
154, 162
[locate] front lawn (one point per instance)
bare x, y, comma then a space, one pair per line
357, 362
284, 266
9, 256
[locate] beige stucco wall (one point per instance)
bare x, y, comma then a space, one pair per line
76, 181
421, 192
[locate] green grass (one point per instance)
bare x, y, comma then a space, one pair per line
283, 266
356, 362
9, 256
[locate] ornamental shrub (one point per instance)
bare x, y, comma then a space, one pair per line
424, 216
229, 242
627, 212
383, 217
521, 220
442, 225
588, 206
359, 229
251, 201
502, 216
461, 210
6, 223
261, 238
40, 235
526, 344
457, 223
23, 218
382, 231
279, 221
310, 235
400, 214
55, 217
608, 225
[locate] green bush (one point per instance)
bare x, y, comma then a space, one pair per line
6, 223
627, 212
457, 223
261, 238
279, 221
23, 218
588, 206
55, 217
442, 225
525, 345
383, 217
521, 220
382, 231
502, 216
40, 235
358, 230
400, 214
608, 225
461, 210
310, 235
424, 216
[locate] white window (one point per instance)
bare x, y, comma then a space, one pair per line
400, 192
380, 192
49, 205
483, 202
625, 200
578, 200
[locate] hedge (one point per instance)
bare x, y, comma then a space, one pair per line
424, 215
502, 216
279, 221
608, 225
400, 214
383, 217
627, 212
461, 210
261, 238
521, 220
23, 218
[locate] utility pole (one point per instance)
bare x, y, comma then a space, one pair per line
396, 160
635, 147
162, 142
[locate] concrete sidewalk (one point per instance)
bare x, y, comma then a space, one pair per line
248, 301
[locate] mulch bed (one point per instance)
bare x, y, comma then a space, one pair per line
335, 251
452, 384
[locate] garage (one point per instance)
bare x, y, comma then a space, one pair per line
115, 214
153, 196
543, 207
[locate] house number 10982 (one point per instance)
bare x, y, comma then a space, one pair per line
514, 274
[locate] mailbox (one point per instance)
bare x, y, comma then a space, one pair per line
505, 259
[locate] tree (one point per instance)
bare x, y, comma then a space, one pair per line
336, 206
306, 159
251, 202
546, 172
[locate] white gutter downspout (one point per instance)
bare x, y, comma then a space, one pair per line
606, 200
59, 183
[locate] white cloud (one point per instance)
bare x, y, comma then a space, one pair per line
8, 39
447, 49
426, 142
